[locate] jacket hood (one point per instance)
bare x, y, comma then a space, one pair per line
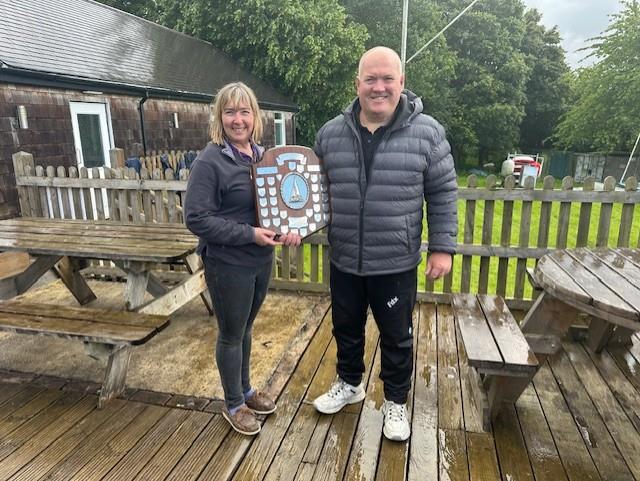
410, 107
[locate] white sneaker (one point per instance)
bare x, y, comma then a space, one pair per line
396, 421
338, 396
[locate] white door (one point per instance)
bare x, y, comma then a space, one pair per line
93, 138
92, 133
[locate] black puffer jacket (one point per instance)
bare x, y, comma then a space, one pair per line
376, 226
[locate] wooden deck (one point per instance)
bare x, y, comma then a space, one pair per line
578, 421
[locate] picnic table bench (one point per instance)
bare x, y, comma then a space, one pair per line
110, 333
503, 358
65, 245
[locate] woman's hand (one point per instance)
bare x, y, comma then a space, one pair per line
290, 239
264, 237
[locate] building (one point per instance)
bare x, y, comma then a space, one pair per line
78, 78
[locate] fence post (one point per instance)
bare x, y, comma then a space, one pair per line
21, 160
117, 158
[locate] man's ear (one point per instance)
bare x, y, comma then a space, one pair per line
402, 80
357, 82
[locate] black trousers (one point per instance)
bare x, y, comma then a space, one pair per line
391, 298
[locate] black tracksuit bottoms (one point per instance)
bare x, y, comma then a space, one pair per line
391, 298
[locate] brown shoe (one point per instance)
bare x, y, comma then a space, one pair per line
260, 403
244, 420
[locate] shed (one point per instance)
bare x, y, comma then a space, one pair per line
78, 78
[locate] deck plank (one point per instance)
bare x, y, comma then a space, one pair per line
543, 454
627, 362
363, 458
201, 451
19, 399
626, 437
392, 465
9, 390
610, 463
111, 453
622, 388
38, 430
573, 452
166, 458
453, 461
483, 461
423, 457
138, 456
289, 456
333, 458
68, 466
510, 447
65, 444
449, 393
33, 405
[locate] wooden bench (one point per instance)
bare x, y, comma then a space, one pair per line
501, 358
108, 334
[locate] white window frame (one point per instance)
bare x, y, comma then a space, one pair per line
279, 125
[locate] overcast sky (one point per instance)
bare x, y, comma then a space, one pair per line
577, 20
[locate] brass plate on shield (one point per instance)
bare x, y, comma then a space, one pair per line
291, 193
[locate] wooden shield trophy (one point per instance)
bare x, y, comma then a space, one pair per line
291, 192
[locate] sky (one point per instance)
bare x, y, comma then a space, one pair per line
577, 20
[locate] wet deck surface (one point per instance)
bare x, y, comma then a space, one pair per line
578, 421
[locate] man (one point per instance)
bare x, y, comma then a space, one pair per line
383, 158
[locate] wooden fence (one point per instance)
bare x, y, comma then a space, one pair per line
503, 230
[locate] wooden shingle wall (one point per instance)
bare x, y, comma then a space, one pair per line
49, 137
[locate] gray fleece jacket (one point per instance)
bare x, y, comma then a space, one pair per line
376, 225
220, 208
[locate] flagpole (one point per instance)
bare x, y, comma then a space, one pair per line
405, 21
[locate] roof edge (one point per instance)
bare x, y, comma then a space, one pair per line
24, 76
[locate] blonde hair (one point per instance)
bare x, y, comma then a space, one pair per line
234, 94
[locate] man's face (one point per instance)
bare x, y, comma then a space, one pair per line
379, 85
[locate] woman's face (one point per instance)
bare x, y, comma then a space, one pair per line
237, 122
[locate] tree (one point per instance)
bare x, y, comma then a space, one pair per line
309, 51
547, 89
491, 74
606, 111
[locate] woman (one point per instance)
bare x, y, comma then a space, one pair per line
237, 255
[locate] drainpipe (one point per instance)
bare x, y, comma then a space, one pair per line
141, 110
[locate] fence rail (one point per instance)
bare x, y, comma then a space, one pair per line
503, 229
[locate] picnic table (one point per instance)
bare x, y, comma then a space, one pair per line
602, 282
66, 245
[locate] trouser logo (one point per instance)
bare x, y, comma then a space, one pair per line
392, 302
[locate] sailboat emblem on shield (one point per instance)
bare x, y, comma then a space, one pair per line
294, 190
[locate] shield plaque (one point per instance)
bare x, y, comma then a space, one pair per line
291, 193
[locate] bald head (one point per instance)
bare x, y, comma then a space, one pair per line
380, 54
379, 85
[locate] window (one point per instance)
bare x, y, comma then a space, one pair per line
280, 129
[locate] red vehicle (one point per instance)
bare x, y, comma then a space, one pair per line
522, 166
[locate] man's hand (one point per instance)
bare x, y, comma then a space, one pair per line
290, 239
264, 237
438, 265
